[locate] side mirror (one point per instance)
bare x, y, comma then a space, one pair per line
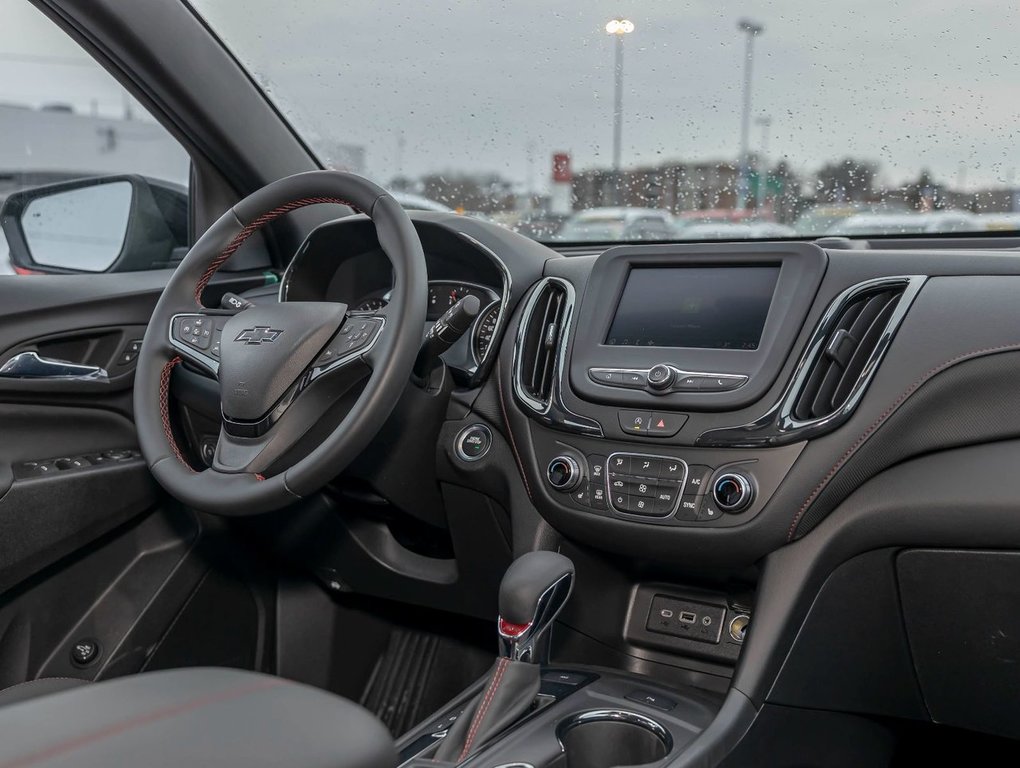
107, 224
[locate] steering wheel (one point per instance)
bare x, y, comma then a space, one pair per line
283, 369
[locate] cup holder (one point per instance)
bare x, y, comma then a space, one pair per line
612, 738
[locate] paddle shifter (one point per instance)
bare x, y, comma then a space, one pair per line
534, 589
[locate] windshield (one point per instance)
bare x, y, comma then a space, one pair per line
725, 120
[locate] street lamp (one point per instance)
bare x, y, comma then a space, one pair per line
764, 122
752, 30
618, 28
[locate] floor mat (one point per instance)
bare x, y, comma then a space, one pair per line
416, 674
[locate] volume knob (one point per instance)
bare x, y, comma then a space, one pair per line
661, 377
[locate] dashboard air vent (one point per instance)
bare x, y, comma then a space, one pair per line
853, 337
540, 341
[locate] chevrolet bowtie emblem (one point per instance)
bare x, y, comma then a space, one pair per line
260, 334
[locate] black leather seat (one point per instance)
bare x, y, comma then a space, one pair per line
42, 687
220, 718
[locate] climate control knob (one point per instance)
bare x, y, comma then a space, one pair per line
661, 377
732, 492
563, 473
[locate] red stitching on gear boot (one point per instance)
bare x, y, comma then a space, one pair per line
255, 226
476, 723
164, 409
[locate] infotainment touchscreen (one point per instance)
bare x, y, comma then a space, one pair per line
710, 307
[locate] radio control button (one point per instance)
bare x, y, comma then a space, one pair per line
635, 422
634, 379
666, 424
606, 376
688, 383
661, 376
721, 383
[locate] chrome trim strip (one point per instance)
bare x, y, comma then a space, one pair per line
616, 715
554, 413
778, 426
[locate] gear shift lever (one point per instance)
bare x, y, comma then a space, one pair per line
534, 589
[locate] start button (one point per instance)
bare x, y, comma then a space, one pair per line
473, 442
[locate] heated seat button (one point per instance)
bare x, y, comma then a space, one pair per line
581, 496
666, 424
635, 422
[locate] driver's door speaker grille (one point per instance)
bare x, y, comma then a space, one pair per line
541, 339
846, 352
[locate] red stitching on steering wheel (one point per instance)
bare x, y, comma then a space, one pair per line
164, 409
255, 226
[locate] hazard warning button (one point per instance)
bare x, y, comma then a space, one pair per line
665, 424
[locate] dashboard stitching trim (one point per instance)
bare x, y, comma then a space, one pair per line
881, 419
510, 429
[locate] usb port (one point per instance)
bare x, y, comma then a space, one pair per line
688, 617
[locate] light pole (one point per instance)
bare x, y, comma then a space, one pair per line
752, 30
765, 122
618, 28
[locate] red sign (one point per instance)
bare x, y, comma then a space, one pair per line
561, 167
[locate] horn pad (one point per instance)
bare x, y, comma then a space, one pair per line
265, 349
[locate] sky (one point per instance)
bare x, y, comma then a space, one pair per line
491, 86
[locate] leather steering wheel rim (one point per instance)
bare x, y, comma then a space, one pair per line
392, 356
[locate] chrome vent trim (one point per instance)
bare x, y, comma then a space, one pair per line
550, 411
780, 425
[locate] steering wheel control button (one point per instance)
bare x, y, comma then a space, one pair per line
473, 442
660, 377
356, 334
635, 422
84, 652
193, 330
732, 492
666, 424
563, 473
